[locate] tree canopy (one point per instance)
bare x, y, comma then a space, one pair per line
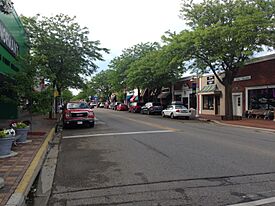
64, 53
223, 35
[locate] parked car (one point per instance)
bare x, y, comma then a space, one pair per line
106, 105
135, 106
114, 105
175, 111
100, 105
122, 107
151, 108
77, 113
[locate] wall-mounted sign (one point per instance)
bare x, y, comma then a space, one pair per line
210, 80
6, 6
7, 40
242, 78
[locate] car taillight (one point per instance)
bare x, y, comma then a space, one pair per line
177, 110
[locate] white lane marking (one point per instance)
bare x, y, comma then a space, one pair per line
257, 202
119, 133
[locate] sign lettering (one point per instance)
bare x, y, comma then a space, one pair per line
8, 41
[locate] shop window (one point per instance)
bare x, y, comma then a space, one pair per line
261, 98
208, 102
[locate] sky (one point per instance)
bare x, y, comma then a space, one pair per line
118, 24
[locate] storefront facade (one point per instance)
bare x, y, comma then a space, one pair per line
254, 86
12, 46
184, 91
211, 98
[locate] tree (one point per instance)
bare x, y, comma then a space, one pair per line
66, 55
100, 84
223, 35
154, 70
122, 63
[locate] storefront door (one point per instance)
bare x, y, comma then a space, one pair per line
237, 104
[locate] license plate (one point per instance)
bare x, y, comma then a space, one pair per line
79, 122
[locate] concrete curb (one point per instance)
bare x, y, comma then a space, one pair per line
22, 190
240, 126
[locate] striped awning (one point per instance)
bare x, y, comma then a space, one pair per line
210, 89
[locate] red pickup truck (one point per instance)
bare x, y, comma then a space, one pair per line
78, 113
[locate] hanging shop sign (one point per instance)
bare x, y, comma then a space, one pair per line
6, 6
7, 40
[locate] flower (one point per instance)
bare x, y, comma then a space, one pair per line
6, 133
19, 125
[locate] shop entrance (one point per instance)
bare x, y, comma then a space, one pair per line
237, 104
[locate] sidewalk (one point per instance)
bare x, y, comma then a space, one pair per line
253, 123
19, 171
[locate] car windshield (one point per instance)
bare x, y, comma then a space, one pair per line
180, 107
77, 105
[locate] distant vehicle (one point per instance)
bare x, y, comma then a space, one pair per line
93, 105
100, 105
77, 113
122, 107
175, 111
106, 105
114, 105
151, 108
135, 106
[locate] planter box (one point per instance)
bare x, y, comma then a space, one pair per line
5, 145
23, 133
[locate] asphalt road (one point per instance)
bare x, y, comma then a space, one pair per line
134, 159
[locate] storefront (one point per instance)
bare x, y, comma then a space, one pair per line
12, 46
210, 96
254, 86
184, 91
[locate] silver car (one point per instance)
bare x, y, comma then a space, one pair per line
175, 111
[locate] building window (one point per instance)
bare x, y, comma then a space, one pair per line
261, 98
208, 102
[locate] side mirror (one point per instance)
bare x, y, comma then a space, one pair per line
92, 106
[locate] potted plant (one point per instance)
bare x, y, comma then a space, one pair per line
21, 130
6, 139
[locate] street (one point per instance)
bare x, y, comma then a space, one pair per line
135, 159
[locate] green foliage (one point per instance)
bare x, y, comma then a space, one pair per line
101, 84
223, 35
67, 95
122, 63
63, 51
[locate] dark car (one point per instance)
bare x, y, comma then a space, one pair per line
135, 106
151, 108
77, 113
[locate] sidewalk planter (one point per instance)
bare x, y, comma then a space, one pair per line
23, 133
21, 130
5, 145
6, 139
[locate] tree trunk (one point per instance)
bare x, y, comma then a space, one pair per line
228, 102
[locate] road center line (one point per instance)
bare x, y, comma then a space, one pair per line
119, 133
257, 202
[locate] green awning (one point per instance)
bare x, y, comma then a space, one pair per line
210, 89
